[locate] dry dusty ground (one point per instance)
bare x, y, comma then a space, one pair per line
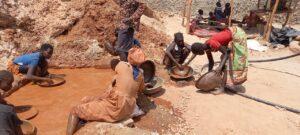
232, 114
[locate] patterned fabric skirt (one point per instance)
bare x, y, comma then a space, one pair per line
237, 67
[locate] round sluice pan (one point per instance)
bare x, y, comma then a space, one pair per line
185, 73
209, 81
156, 85
57, 81
26, 112
149, 70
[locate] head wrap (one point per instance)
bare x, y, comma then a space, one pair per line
136, 56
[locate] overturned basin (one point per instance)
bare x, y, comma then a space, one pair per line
209, 81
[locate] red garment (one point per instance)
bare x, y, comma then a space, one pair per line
220, 39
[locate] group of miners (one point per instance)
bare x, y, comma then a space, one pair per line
119, 101
216, 17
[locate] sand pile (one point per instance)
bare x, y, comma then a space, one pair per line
77, 29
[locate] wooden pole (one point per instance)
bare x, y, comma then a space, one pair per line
268, 7
231, 12
188, 19
269, 25
184, 12
258, 3
290, 12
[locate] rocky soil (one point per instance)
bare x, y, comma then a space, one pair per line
78, 29
241, 7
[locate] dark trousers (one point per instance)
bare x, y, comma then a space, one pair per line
123, 55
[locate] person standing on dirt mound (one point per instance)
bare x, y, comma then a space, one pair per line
31, 67
176, 52
232, 43
112, 49
119, 101
9, 121
131, 12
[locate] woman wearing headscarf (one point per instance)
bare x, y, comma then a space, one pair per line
119, 100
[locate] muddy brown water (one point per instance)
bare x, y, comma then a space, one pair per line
55, 103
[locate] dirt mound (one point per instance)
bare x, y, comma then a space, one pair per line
78, 29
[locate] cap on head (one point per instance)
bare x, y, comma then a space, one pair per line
6, 80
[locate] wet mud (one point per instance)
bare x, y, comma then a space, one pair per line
55, 103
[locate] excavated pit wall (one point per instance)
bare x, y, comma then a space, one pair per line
77, 28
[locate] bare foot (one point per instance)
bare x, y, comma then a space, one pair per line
218, 91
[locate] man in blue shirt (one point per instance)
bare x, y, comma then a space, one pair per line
32, 67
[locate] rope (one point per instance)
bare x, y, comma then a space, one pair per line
264, 60
266, 102
284, 72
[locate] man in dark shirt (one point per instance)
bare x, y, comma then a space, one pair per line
176, 52
131, 12
9, 121
128, 40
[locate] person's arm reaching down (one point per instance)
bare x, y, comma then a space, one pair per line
168, 52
